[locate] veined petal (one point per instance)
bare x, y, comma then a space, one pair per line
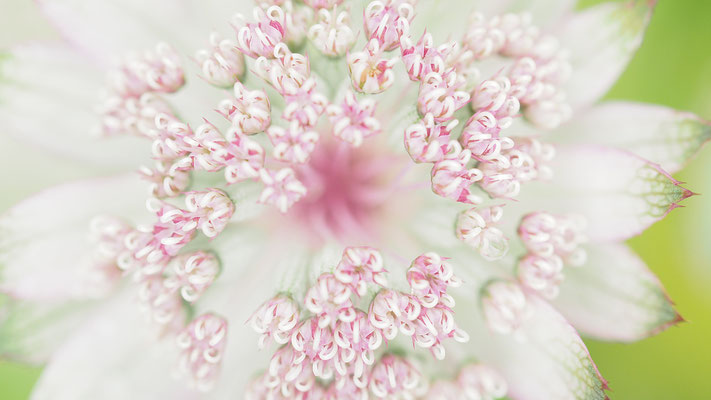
544, 12
45, 252
48, 94
614, 296
601, 41
31, 331
620, 194
545, 360
105, 29
113, 355
656, 133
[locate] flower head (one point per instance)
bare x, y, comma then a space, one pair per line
361, 183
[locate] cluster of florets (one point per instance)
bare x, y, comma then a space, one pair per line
166, 278
552, 241
333, 340
337, 342
131, 102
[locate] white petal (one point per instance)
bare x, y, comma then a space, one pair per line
444, 23
105, 29
45, 251
601, 41
31, 331
548, 361
48, 95
543, 12
656, 133
115, 354
619, 193
614, 296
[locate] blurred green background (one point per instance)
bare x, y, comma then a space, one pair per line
673, 67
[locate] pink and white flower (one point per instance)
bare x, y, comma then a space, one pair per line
241, 211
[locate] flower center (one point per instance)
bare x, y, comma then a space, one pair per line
348, 191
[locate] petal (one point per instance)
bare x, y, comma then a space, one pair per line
619, 193
543, 12
31, 331
545, 360
656, 133
47, 97
45, 251
601, 41
614, 296
115, 354
104, 29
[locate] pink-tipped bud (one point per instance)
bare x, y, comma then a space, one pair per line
131, 115
314, 343
439, 95
360, 266
357, 341
482, 382
281, 188
293, 144
505, 307
287, 72
542, 274
483, 37
155, 71
497, 97
332, 34
369, 71
243, 158
384, 19
353, 120
435, 325
259, 38
288, 376
476, 227
306, 105
452, 179
222, 64
427, 141
392, 311
108, 236
192, 274
275, 319
423, 58
211, 209
429, 277
249, 110
330, 300
395, 377
548, 235
160, 303
481, 137
202, 345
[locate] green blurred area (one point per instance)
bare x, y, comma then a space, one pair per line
673, 68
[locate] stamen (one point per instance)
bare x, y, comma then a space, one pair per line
353, 120
476, 227
202, 343
369, 71
332, 34
505, 307
222, 65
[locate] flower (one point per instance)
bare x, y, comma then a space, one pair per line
371, 227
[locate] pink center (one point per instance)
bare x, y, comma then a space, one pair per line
347, 190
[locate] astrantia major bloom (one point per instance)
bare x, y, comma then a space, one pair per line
391, 199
